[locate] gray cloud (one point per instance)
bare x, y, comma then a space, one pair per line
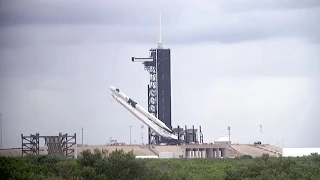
73, 12
250, 5
39, 63
69, 22
254, 25
139, 12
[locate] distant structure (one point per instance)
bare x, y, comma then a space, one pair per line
1, 130
222, 140
63, 145
261, 132
229, 133
142, 127
130, 133
82, 137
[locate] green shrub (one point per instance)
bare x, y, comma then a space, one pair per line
118, 165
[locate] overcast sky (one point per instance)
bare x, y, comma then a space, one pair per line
238, 63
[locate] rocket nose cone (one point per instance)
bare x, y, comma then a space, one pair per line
112, 88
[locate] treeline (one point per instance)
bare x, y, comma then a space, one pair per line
119, 165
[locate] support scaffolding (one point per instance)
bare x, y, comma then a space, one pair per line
60, 145
30, 144
189, 136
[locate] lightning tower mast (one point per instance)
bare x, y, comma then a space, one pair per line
142, 127
160, 29
1, 130
229, 133
261, 132
82, 137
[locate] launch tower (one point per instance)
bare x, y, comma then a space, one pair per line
159, 89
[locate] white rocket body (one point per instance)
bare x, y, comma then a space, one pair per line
117, 92
157, 129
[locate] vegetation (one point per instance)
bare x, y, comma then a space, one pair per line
119, 165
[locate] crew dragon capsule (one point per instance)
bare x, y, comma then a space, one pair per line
136, 106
